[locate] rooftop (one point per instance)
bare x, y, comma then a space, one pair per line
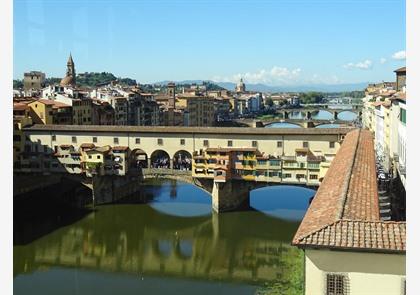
189, 130
345, 211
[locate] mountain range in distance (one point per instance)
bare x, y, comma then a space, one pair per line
292, 88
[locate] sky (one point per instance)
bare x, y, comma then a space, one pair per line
277, 43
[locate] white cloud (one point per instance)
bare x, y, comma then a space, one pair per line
279, 76
382, 60
363, 65
400, 55
274, 76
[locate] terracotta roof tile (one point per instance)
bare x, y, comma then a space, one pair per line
345, 211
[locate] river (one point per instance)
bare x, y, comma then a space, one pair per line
170, 244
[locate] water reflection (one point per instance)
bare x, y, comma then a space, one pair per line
322, 115
286, 202
283, 125
347, 116
135, 242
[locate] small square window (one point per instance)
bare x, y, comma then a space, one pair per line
306, 144
95, 139
98, 157
73, 139
279, 144
160, 141
205, 142
230, 143
332, 144
137, 140
254, 143
53, 138
182, 141
116, 140
336, 284
90, 156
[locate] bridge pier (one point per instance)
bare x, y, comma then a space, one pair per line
335, 115
111, 188
308, 115
285, 115
229, 195
309, 124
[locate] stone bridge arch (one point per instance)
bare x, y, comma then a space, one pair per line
160, 159
138, 159
182, 160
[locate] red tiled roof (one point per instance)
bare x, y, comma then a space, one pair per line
120, 148
349, 234
46, 101
87, 145
403, 69
345, 211
20, 106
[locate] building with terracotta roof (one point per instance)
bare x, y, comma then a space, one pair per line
401, 77
348, 249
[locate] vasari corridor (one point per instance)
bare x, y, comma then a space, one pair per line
209, 147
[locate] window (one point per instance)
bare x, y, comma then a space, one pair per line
306, 144
287, 175
94, 139
332, 144
137, 140
230, 143
205, 142
116, 140
45, 149
160, 141
182, 141
254, 143
53, 138
98, 157
313, 176
403, 115
279, 144
336, 284
90, 156
73, 139
298, 176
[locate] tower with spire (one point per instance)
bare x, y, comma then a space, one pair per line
70, 78
240, 87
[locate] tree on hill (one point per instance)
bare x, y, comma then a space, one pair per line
311, 97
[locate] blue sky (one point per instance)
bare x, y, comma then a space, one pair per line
280, 42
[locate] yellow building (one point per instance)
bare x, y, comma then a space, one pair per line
21, 118
42, 111
93, 160
200, 111
82, 112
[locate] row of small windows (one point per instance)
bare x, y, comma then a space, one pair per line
205, 142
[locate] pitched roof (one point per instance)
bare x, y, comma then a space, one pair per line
87, 145
120, 148
349, 234
345, 211
400, 70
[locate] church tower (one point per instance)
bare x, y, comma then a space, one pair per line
240, 87
70, 78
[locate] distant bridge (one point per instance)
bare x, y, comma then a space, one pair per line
304, 123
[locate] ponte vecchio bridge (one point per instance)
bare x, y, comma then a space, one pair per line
226, 162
